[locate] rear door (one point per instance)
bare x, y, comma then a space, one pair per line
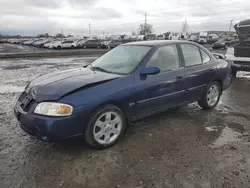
89, 44
164, 90
199, 70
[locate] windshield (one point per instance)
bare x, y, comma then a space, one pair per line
121, 60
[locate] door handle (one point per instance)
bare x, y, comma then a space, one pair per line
179, 77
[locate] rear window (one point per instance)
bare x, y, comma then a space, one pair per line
191, 55
205, 56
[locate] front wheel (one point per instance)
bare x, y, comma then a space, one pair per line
105, 127
211, 96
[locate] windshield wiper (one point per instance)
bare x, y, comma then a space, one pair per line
99, 69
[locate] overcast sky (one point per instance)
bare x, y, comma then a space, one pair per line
31, 17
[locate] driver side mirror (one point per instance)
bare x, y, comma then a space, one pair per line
150, 71
219, 56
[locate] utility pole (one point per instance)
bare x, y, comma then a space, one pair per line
145, 24
231, 23
89, 30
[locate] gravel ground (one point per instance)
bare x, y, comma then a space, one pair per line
186, 148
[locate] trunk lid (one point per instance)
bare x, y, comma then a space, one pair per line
243, 31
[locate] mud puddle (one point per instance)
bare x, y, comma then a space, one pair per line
186, 148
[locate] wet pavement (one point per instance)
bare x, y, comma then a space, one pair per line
186, 148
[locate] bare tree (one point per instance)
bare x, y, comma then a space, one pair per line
145, 29
184, 27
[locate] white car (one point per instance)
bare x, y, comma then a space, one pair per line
55, 44
68, 44
239, 54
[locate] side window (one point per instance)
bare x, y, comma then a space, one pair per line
191, 55
205, 57
166, 58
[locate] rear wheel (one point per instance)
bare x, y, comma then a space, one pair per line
59, 47
211, 96
98, 46
105, 127
226, 46
72, 47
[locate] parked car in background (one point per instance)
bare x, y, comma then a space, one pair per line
68, 44
3, 40
239, 54
224, 43
114, 43
212, 38
105, 43
57, 44
130, 82
47, 41
202, 38
28, 42
40, 43
194, 37
93, 43
150, 37
47, 44
79, 43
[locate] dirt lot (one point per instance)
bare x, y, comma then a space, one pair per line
186, 148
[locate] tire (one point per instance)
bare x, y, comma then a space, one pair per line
84, 47
207, 102
98, 47
104, 138
72, 47
226, 46
59, 47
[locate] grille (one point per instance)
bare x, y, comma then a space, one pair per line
22, 96
29, 130
25, 104
243, 63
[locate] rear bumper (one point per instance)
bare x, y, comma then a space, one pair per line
239, 63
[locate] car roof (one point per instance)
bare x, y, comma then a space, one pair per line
157, 42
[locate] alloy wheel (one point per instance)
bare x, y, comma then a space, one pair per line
213, 95
107, 128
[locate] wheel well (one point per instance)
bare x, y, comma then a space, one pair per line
221, 84
115, 103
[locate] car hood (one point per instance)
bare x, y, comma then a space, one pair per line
52, 87
243, 30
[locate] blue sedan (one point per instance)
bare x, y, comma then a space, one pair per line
130, 82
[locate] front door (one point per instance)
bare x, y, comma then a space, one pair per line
199, 70
164, 90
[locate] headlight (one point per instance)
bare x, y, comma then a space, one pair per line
53, 109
